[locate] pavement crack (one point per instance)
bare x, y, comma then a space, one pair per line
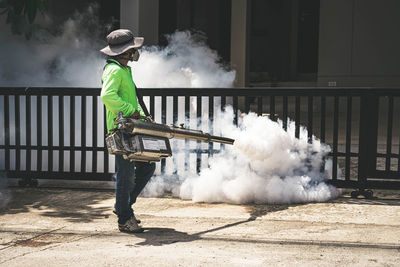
31, 238
46, 248
27, 240
68, 242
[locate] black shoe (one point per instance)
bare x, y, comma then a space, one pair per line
137, 221
130, 226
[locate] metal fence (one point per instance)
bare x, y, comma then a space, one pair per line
58, 133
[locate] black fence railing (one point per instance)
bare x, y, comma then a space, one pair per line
58, 133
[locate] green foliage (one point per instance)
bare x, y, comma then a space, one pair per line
21, 15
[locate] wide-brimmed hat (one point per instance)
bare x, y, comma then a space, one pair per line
120, 41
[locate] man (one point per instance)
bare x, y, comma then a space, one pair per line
119, 94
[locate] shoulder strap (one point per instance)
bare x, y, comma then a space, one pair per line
141, 102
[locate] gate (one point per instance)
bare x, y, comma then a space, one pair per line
58, 133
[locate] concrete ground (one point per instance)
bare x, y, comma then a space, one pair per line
76, 227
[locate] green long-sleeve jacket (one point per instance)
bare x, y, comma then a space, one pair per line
118, 92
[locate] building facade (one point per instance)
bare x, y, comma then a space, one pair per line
280, 42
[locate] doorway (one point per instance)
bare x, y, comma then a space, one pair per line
283, 41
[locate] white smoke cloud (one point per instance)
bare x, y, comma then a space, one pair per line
265, 165
185, 62
72, 58
68, 59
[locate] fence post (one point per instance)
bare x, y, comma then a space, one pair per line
368, 141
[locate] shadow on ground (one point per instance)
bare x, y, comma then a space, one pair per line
165, 236
380, 197
80, 207
374, 201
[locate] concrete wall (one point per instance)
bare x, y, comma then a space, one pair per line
141, 17
359, 43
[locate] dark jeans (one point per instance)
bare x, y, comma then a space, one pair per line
131, 177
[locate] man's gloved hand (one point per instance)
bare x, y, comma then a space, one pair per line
135, 115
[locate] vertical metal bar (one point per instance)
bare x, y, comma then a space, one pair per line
61, 132
106, 156
323, 114
223, 102
50, 131
285, 112
7, 131
272, 107
163, 121
152, 107
247, 104
297, 117
94, 133
398, 161
17, 135
348, 137
235, 108
28, 136
310, 118
175, 122
198, 110
198, 154
39, 133
323, 117
72, 134
187, 117
83, 133
210, 123
187, 107
175, 110
335, 136
259, 106
389, 133
164, 109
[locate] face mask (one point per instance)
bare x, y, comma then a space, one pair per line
135, 56
131, 56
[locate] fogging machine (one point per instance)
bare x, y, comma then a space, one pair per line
147, 141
